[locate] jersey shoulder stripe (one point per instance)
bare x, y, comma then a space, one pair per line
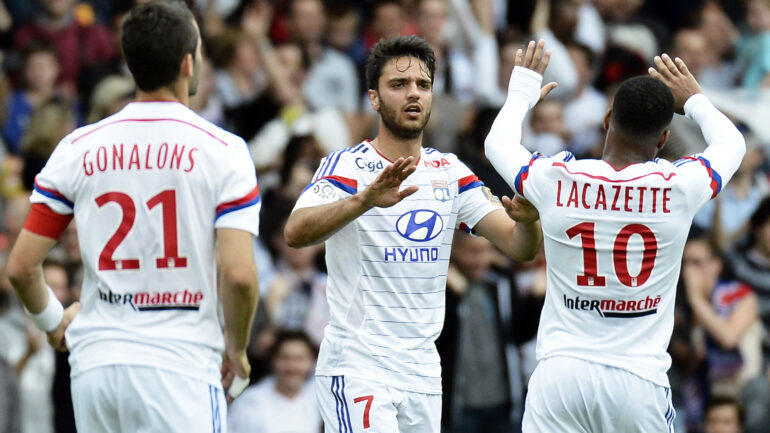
346, 184
249, 199
524, 174
53, 194
468, 182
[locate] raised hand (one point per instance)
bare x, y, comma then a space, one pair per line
384, 191
536, 58
675, 75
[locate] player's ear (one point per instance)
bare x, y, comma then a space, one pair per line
607, 117
374, 99
663, 139
187, 68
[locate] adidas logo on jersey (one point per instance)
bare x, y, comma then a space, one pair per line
615, 308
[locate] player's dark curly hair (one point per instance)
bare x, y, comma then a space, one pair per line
386, 49
643, 108
155, 38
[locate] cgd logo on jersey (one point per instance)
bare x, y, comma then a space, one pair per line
420, 225
155, 301
615, 308
369, 165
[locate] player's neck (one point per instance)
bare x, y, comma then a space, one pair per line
620, 154
392, 147
176, 94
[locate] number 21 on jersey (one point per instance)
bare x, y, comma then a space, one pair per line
167, 200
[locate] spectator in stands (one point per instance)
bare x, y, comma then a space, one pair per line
115, 92
296, 297
584, 113
480, 396
549, 134
750, 263
723, 415
331, 80
388, 20
727, 310
39, 73
719, 70
49, 124
285, 400
84, 45
754, 48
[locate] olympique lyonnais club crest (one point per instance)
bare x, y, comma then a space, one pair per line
440, 190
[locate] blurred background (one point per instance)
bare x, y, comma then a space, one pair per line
287, 76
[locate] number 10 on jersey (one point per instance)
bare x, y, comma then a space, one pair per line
167, 200
590, 275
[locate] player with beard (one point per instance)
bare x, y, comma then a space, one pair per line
158, 194
387, 210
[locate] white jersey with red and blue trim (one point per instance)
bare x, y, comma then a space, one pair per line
387, 268
614, 238
148, 186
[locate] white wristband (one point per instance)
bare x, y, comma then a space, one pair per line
49, 319
236, 388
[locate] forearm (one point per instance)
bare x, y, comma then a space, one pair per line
312, 225
503, 143
25, 270
239, 304
30, 287
715, 325
525, 241
726, 145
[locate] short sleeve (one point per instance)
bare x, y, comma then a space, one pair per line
475, 200
238, 199
53, 186
333, 181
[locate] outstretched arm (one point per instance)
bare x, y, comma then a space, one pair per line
311, 225
503, 144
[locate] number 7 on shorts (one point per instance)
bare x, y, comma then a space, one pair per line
368, 399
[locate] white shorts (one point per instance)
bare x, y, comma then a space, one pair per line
575, 396
350, 405
135, 399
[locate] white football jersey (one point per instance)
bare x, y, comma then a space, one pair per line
387, 268
613, 243
148, 186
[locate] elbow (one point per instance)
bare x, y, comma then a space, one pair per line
292, 235
18, 272
242, 279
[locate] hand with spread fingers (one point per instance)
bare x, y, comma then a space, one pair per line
529, 66
675, 75
384, 191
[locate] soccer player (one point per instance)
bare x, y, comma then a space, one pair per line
387, 251
614, 232
157, 193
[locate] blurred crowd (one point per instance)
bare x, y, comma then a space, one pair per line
287, 76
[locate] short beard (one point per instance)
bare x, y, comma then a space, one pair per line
389, 120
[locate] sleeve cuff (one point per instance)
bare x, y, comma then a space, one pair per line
692, 104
